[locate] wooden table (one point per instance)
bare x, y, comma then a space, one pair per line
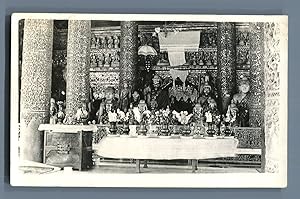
165, 148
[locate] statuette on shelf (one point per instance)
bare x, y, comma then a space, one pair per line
53, 111
60, 113
116, 41
241, 100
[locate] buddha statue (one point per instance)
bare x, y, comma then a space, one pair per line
82, 114
135, 98
60, 113
124, 97
116, 41
108, 102
160, 92
232, 115
241, 100
206, 93
110, 42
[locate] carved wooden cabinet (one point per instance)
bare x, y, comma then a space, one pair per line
68, 145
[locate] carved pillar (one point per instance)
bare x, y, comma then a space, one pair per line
226, 62
128, 55
256, 107
256, 76
78, 64
35, 86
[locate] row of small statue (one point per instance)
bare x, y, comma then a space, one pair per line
105, 41
202, 58
243, 38
209, 39
102, 59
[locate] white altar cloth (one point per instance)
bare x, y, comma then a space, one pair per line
165, 148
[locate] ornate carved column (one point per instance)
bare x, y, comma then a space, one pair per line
128, 55
35, 86
256, 109
78, 64
256, 76
226, 62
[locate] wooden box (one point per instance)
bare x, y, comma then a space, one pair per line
67, 146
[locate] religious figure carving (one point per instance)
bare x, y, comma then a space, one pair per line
82, 114
124, 97
108, 102
93, 41
53, 111
241, 99
160, 92
93, 60
206, 93
200, 59
116, 41
114, 59
101, 60
102, 42
107, 60
232, 114
135, 98
110, 42
60, 113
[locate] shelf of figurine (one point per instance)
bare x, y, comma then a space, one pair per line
108, 61
105, 41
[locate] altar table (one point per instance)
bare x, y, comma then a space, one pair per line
166, 148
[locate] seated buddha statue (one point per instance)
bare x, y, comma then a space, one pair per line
107, 103
160, 92
82, 114
205, 95
241, 100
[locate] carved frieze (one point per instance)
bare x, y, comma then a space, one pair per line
99, 81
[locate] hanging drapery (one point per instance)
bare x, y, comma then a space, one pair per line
175, 43
179, 73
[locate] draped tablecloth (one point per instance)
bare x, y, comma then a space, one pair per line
165, 148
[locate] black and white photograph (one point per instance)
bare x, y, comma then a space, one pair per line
149, 100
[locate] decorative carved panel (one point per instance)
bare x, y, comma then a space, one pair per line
99, 81
272, 42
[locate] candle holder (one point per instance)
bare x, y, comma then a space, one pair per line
142, 130
113, 128
125, 128
227, 130
164, 130
186, 131
210, 131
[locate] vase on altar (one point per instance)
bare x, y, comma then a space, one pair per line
125, 128
164, 130
132, 130
210, 131
186, 130
113, 128
142, 130
227, 130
